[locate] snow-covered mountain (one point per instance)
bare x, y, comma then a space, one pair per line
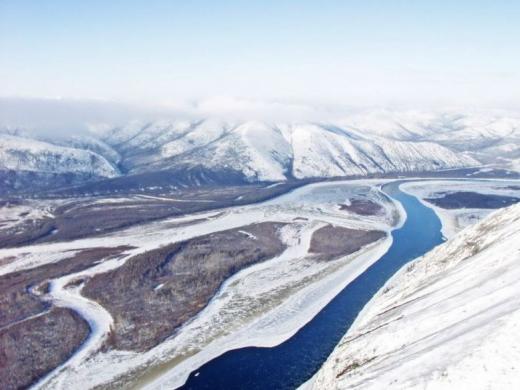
30, 155
371, 142
491, 137
331, 151
449, 320
256, 150
28, 164
90, 143
272, 152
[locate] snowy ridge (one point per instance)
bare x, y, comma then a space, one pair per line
24, 154
273, 152
207, 131
363, 143
142, 136
87, 142
324, 152
257, 150
447, 321
492, 137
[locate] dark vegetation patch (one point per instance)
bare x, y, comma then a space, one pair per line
353, 366
157, 181
466, 199
27, 232
362, 207
16, 300
331, 242
82, 218
32, 348
154, 293
35, 336
28, 182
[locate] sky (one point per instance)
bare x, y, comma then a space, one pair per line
354, 53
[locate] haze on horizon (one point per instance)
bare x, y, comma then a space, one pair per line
356, 53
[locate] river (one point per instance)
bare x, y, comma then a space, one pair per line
296, 360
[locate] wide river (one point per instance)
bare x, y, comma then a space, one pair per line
293, 362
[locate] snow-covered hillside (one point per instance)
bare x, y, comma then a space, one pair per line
255, 149
447, 321
491, 137
272, 152
29, 155
88, 142
362, 143
331, 151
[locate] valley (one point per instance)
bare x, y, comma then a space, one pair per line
274, 195
162, 246
188, 307
165, 294
170, 154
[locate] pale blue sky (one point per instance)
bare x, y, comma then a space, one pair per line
353, 52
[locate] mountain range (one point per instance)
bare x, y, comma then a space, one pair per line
216, 151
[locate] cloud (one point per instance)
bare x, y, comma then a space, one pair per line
255, 109
65, 117
75, 116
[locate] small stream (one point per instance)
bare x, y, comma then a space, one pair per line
296, 360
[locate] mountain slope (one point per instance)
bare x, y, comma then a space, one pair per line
87, 142
272, 152
23, 154
321, 151
29, 165
213, 151
256, 150
447, 321
483, 135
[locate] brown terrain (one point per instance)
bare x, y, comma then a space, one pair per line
466, 199
90, 216
44, 335
331, 242
362, 207
29, 349
36, 337
154, 293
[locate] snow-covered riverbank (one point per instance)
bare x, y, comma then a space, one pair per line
446, 321
457, 219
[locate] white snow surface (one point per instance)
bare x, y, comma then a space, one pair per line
14, 214
449, 320
138, 135
331, 151
492, 136
256, 149
274, 152
207, 131
24, 154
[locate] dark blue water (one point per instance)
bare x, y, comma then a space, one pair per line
293, 362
